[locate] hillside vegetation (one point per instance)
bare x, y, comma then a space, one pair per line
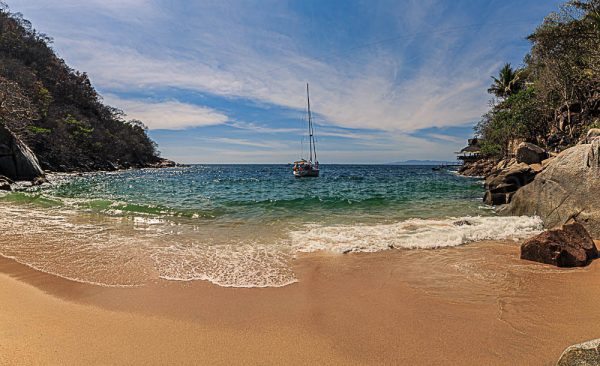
554, 99
56, 111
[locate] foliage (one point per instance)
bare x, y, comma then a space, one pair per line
517, 117
55, 109
508, 82
558, 97
37, 130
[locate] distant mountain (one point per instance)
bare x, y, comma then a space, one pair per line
424, 162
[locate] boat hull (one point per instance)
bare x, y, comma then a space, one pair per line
306, 173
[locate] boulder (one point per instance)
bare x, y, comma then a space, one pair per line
537, 168
5, 183
547, 161
569, 246
39, 181
513, 145
505, 164
582, 354
593, 134
529, 153
17, 161
501, 186
162, 163
477, 168
567, 189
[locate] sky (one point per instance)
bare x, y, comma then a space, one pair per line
220, 81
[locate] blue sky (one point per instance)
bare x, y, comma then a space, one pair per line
220, 81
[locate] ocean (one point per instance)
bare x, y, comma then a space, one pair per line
238, 225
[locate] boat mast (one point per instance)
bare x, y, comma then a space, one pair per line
312, 146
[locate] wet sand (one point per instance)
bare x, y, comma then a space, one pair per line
477, 304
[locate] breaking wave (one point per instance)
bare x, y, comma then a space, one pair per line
413, 234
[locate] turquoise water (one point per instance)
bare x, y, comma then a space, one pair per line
343, 193
238, 225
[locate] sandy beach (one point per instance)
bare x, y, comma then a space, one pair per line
470, 305
299, 183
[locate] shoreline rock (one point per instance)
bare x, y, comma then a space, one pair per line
17, 161
593, 134
5, 183
566, 190
582, 354
163, 163
569, 246
529, 153
479, 168
502, 185
505, 177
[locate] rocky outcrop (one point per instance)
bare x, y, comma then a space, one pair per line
163, 163
567, 189
593, 134
508, 178
479, 168
582, 354
529, 153
5, 183
17, 161
569, 246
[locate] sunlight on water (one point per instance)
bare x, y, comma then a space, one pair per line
237, 225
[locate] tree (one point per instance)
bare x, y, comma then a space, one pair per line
56, 110
555, 98
565, 65
519, 116
15, 107
507, 83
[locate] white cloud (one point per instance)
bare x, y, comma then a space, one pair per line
443, 137
124, 10
369, 99
231, 54
171, 115
427, 72
243, 142
263, 129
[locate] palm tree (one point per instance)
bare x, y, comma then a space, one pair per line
507, 83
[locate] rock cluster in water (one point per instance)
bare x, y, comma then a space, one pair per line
479, 168
505, 177
562, 189
557, 187
566, 190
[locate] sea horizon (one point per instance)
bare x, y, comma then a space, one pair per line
319, 182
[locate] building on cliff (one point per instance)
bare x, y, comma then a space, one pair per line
471, 152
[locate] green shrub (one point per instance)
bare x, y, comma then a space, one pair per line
38, 130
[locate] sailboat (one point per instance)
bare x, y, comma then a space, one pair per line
303, 167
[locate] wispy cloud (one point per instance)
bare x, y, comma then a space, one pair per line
263, 129
439, 136
232, 58
368, 100
243, 142
169, 115
380, 72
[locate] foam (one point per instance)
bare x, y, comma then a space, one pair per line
246, 265
413, 234
111, 251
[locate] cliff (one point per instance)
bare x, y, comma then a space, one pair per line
55, 111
